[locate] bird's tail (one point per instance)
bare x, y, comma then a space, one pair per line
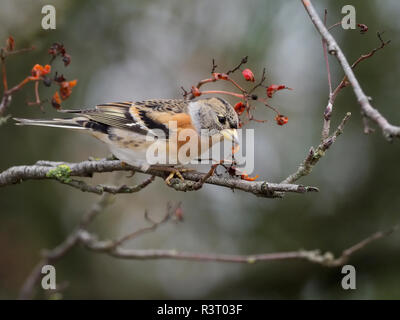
74, 123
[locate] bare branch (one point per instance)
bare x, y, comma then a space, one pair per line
315, 256
260, 83
154, 225
51, 256
325, 50
115, 248
242, 62
314, 156
101, 188
63, 171
344, 83
389, 131
326, 140
214, 66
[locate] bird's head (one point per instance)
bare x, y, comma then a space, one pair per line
214, 116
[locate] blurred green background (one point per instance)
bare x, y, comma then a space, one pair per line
147, 49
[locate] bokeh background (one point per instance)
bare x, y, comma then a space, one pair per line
148, 49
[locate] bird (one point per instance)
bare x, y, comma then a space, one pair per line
162, 133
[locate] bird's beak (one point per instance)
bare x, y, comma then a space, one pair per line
231, 135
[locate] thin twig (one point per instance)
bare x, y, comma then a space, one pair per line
154, 225
214, 66
3, 69
201, 182
242, 62
326, 57
101, 188
260, 83
7, 93
314, 156
344, 83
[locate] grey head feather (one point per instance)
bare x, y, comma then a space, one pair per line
212, 115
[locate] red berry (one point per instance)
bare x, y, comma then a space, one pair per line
248, 75
196, 92
240, 107
274, 87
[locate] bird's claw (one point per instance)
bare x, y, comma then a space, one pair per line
176, 172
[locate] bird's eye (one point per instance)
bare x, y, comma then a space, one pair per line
222, 119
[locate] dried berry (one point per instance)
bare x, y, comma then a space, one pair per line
246, 177
10, 44
66, 59
56, 101
363, 28
39, 71
66, 88
47, 81
281, 119
59, 79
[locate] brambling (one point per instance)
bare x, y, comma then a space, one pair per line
132, 129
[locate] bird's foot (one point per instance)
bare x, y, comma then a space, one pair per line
173, 172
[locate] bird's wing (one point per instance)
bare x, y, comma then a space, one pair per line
143, 117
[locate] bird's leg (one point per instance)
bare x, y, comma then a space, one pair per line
173, 171
173, 174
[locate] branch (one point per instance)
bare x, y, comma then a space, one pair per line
344, 83
63, 171
314, 156
51, 256
101, 188
7, 93
115, 248
389, 131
